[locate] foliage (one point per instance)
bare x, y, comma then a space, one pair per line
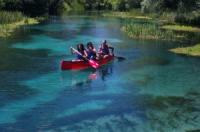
11, 5
43, 7
188, 18
186, 12
192, 51
77, 5
36, 7
181, 28
131, 14
145, 6
169, 5
10, 17
147, 31
7, 29
62, 7
1, 4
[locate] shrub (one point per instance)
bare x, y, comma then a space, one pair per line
10, 17
147, 31
188, 18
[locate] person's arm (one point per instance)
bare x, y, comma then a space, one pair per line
99, 51
85, 53
94, 51
72, 51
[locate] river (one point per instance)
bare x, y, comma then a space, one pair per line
152, 90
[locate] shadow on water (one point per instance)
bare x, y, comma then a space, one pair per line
105, 71
12, 91
77, 105
17, 65
152, 60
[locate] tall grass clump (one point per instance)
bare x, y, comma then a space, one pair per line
10, 17
132, 14
147, 31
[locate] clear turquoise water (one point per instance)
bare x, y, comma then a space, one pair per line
152, 90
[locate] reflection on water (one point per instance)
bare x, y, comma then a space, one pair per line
79, 78
106, 71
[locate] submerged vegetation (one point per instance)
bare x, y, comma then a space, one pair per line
174, 111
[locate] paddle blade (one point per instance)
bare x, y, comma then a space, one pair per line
94, 64
120, 58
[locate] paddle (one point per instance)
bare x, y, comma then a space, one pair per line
93, 63
120, 58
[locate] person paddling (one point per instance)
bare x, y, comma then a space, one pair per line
104, 50
91, 51
83, 54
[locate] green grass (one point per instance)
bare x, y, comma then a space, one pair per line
7, 29
181, 28
132, 14
9, 21
147, 31
191, 51
10, 17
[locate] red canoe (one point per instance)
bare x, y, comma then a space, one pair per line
77, 65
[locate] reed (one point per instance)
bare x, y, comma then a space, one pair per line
147, 31
9, 21
181, 28
132, 14
10, 17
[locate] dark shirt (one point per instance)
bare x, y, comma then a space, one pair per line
91, 54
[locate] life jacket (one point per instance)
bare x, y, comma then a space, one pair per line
91, 54
80, 57
105, 50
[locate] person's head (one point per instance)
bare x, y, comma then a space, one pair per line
90, 46
104, 44
80, 47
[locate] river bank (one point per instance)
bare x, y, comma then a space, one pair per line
6, 30
9, 21
163, 27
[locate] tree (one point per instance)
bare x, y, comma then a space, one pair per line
145, 5
11, 5
36, 7
2, 4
